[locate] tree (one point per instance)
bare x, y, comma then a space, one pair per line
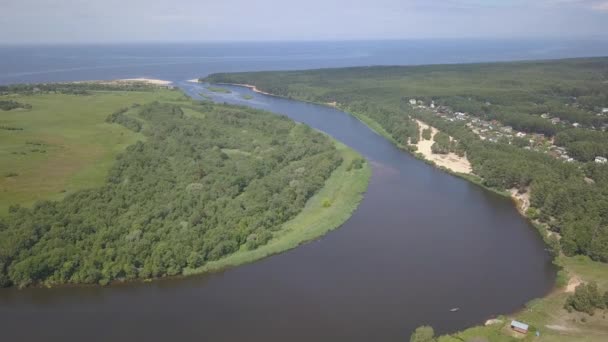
586, 298
426, 133
424, 333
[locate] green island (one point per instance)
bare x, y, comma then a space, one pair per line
218, 90
247, 97
106, 183
533, 130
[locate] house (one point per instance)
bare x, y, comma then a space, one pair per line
519, 327
520, 134
576, 125
413, 102
605, 110
545, 116
432, 104
507, 129
555, 121
601, 160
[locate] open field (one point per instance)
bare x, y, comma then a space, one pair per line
64, 145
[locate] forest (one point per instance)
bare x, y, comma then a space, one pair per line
202, 184
74, 88
571, 199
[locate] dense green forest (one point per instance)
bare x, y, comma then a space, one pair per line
203, 183
569, 198
74, 88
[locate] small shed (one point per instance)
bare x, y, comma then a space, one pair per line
519, 327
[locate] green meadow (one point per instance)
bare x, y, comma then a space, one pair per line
63, 143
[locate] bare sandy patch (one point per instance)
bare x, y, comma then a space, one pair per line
450, 161
252, 87
522, 199
493, 321
194, 80
573, 282
146, 80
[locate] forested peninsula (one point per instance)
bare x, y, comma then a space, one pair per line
536, 129
196, 186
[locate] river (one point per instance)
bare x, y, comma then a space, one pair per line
421, 242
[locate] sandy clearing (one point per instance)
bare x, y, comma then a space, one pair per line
450, 161
194, 80
573, 282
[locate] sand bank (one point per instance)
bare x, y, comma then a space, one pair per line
450, 161
145, 80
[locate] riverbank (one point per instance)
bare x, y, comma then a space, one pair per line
547, 312
325, 211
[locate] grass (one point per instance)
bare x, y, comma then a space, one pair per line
218, 90
247, 97
343, 191
65, 144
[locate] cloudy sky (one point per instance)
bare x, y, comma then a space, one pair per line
51, 21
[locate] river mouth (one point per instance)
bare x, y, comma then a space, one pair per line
421, 243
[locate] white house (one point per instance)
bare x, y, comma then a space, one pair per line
520, 134
413, 102
601, 160
604, 110
576, 125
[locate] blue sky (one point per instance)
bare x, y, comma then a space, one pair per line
70, 21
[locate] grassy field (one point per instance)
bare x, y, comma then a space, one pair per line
64, 145
343, 191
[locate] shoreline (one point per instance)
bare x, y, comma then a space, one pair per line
121, 81
153, 81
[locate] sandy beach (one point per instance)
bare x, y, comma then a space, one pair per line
451, 161
145, 80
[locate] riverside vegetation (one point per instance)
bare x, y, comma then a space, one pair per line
568, 200
188, 187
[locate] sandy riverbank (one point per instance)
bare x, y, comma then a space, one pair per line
145, 80
450, 161
252, 87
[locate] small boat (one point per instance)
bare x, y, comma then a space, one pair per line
454, 309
